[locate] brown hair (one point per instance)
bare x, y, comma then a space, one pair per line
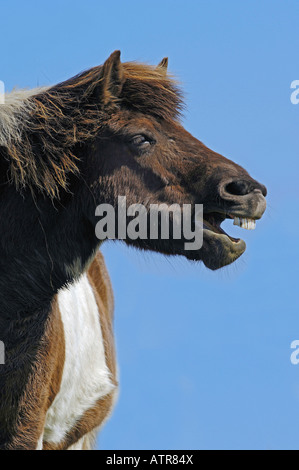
74, 112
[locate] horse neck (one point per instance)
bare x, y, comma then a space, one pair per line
32, 270
43, 246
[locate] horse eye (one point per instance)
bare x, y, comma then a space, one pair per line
141, 141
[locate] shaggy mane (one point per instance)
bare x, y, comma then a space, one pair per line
40, 128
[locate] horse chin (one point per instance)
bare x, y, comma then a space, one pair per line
218, 250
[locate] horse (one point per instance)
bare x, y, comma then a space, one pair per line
112, 130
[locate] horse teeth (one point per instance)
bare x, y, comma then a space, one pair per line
248, 224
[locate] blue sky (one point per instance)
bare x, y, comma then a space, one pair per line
204, 357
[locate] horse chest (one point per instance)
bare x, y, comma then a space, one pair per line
86, 377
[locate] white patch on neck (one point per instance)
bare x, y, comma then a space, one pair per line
14, 113
86, 377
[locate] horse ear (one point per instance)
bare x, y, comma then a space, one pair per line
112, 78
163, 66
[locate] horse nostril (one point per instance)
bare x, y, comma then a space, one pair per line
243, 187
264, 190
238, 188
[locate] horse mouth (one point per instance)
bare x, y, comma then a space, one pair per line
219, 248
212, 221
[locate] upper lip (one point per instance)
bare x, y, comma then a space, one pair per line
250, 206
